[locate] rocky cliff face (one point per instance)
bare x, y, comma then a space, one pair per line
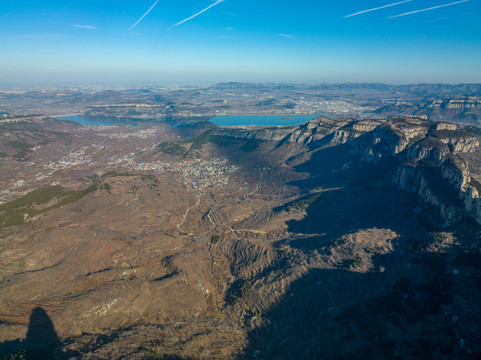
432, 168
467, 102
267, 134
460, 109
428, 163
425, 155
308, 133
390, 139
427, 160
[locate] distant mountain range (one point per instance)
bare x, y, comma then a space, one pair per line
458, 103
414, 89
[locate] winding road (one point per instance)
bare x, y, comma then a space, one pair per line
185, 215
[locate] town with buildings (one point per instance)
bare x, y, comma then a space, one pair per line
194, 174
74, 158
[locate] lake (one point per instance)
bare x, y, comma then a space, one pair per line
225, 120
262, 120
97, 120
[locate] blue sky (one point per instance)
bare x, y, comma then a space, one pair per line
206, 41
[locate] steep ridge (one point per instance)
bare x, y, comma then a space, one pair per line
429, 164
459, 109
355, 281
426, 156
307, 133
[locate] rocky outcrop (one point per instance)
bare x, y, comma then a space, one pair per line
321, 130
391, 138
414, 178
308, 133
314, 131
445, 126
433, 170
267, 134
354, 130
460, 109
465, 102
426, 154
458, 141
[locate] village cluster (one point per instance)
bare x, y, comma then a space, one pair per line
74, 158
195, 174
141, 134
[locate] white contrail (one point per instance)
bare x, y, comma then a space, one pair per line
378, 8
428, 9
90, 27
143, 15
195, 15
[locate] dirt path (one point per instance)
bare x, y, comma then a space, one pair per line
210, 219
233, 233
185, 215
257, 186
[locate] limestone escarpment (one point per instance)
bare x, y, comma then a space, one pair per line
459, 109
390, 138
465, 102
267, 134
432, 168
425, 156
306, 133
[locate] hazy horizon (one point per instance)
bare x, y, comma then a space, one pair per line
106, 85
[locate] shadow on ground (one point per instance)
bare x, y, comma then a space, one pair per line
361, 197
41, 342
338, 314
410, 310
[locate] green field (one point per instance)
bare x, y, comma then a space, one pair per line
17, 211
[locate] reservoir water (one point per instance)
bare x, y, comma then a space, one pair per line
97, 120
225, 120
262, 120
